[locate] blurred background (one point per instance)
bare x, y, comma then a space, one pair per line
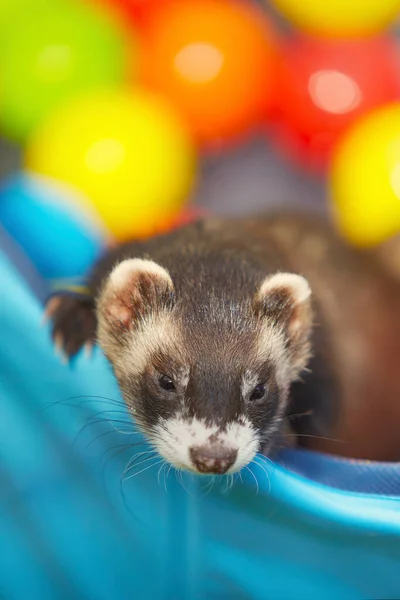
123, 118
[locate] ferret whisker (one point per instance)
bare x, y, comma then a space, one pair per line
111, 454
179, 477
267, 458
135, 457
127, 421
86, 399
125, 431
112, 410
108, 432
119, 449
131, 462
169, 470
123, 496
136, 465
263, 468
211, 483
125, 475
307, 413
99, 436
254, 477
143, 470
159, 472
166, 473
316, 437
90, 421
95, 421
229, 482
208, 487
180, 473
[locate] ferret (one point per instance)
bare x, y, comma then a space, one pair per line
233, 336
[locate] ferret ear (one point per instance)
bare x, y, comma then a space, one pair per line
133, 289
285, 298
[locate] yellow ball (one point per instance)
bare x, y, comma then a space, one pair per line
126, 150
365, 178
340, 17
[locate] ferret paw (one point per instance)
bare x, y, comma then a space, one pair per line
73, 323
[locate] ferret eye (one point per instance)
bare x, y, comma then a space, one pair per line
166, 383
258, 393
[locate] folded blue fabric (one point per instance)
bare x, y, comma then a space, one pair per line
74, 525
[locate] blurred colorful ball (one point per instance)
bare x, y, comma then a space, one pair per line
185, 217
136, 11
11, 9
325, 85
214, 59
340, 17
127, 151
52, 55
365, 178
61, 238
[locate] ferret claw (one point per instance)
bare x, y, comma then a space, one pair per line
51, 307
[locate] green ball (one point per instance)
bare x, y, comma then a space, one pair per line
9, 10
53, 55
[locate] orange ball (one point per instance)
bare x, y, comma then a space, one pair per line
215, 60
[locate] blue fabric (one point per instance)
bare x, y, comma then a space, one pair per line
70, 529
351, 475
23, 265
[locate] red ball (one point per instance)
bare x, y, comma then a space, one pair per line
325, 85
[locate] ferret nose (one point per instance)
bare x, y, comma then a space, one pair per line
213, 460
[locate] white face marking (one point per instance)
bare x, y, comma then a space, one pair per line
154, 334
173, 439
249, 382
272, 342
272, 347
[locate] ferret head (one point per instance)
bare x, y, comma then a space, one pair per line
208, 380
